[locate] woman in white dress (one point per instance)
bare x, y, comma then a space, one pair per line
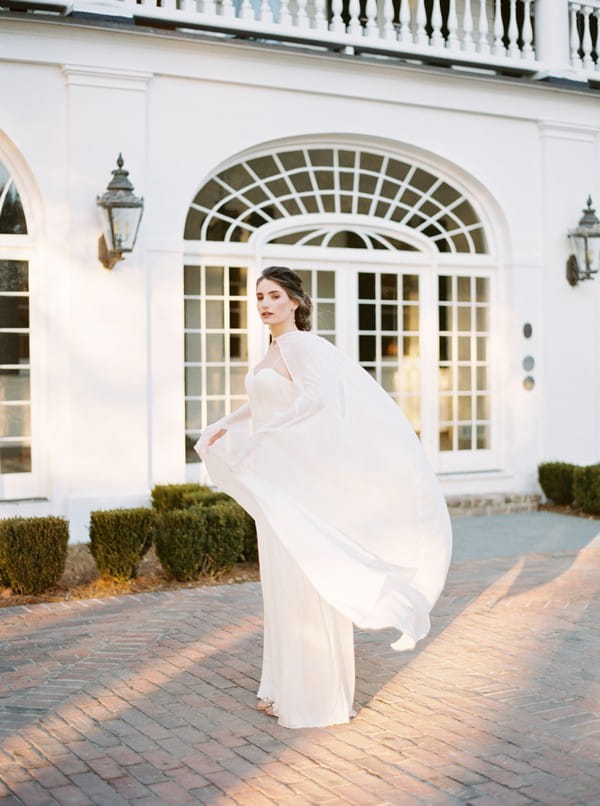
351, 523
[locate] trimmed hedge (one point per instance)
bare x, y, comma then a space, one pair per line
586, 487
199, 540
556, 480
119, 538
167, 497
203, 497
33, 552
224, 536
175, 496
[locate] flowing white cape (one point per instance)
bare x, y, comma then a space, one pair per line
343, 481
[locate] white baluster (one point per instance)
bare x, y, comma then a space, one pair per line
285, 17
228, 9
513, 31
574, 39
246, 10
371, 27
421, 19
499, 49
405, 33
210, 7
264, 11
337, 23
596, 13
387, 20
453, 40
320, 22
437, 40
354, 26
483, 29
468, 43
302, 20
586, 39
527, 34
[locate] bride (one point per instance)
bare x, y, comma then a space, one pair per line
352, 526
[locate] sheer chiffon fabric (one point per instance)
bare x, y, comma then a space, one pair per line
351, 521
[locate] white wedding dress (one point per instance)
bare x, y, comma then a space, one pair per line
308, 651
352, 525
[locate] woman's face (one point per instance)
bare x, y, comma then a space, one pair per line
274, 305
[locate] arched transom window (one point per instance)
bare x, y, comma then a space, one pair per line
239, 199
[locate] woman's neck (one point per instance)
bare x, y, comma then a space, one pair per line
280, 330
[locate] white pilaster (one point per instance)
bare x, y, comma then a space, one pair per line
105, 333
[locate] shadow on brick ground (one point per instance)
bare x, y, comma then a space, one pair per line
150, 699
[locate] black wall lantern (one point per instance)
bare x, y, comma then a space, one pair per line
120, 212
585, 263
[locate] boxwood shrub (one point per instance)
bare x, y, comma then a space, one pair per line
199, 540
119, 538
33, 552
167, 497
556, 480
175, 496
586, 487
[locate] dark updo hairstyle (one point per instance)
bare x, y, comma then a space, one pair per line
291, 282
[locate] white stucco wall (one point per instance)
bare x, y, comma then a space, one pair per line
110, 389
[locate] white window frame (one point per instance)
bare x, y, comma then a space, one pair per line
21, 486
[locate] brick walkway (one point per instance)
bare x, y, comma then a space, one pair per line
149, 699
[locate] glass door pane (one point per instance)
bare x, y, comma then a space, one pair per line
321, 285
216, 345
463, 365
388, 338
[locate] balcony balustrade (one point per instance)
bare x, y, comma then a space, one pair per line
496, 34
537, 38
584, 26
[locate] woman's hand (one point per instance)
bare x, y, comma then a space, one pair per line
220, 433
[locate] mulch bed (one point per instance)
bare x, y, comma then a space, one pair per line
82, 581
567, 509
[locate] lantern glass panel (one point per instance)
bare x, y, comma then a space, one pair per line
125, 221
593, 250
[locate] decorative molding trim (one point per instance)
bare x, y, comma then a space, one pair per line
559, 130
82, 76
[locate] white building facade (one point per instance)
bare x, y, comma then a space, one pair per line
420, 163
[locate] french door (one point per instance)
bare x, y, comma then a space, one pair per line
424, 334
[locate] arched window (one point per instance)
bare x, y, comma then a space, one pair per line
396, 257
238, 200
15, 388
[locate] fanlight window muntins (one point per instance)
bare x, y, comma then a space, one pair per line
240, 199
12, 215
343, 238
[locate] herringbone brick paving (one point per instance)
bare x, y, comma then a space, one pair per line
149, 699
